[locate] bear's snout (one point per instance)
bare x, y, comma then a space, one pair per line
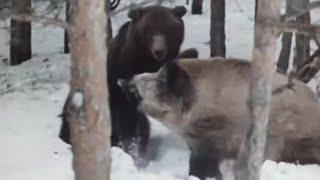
159, 47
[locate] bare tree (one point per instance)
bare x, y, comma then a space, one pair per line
109, 24
20, 43
217, 30
284, 57
302, 49
66, 35
302, 40
251, 154
89, 109
196, 7
255, 9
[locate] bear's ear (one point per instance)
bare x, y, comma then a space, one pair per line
179, 11
135, 14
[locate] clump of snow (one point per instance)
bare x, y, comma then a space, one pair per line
77, 99
123, 168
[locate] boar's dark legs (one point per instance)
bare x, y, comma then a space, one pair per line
204, 160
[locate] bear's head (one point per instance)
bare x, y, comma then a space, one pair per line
159, 30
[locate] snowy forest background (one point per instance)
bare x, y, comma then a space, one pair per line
32, 95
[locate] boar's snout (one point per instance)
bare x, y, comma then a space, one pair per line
129, 89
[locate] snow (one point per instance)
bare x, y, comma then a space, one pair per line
77, 99
32, 96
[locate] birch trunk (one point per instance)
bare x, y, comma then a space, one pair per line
89, 109
251, 154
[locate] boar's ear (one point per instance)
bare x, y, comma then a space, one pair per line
135, 14
179, 11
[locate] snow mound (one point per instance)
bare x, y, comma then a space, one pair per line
38, 73
123, 168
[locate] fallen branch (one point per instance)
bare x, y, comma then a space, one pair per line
300, 28
312, 57
133, 5
308, 71
113, 13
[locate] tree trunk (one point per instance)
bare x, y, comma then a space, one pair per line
20, 43
284, 57
256, 9
302, 40
89, 109
109, 24
66, 36
217, 31
251, 153
196, 7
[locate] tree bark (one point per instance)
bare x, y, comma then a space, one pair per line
66, 35
196, 7
217, 30
109, 24
284, 57
302, 40
89, 109
256, 9
251, 154
20, 43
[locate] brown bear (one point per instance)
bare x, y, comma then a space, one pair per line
152, 37
205, 101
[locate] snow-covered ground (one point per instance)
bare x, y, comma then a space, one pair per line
32, 96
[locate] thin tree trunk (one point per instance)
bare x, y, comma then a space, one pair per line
109, 24
196, 7
256, 9
20, 43
251, 154
66, 36
89, 110
302, 40
217, 30
284, 57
